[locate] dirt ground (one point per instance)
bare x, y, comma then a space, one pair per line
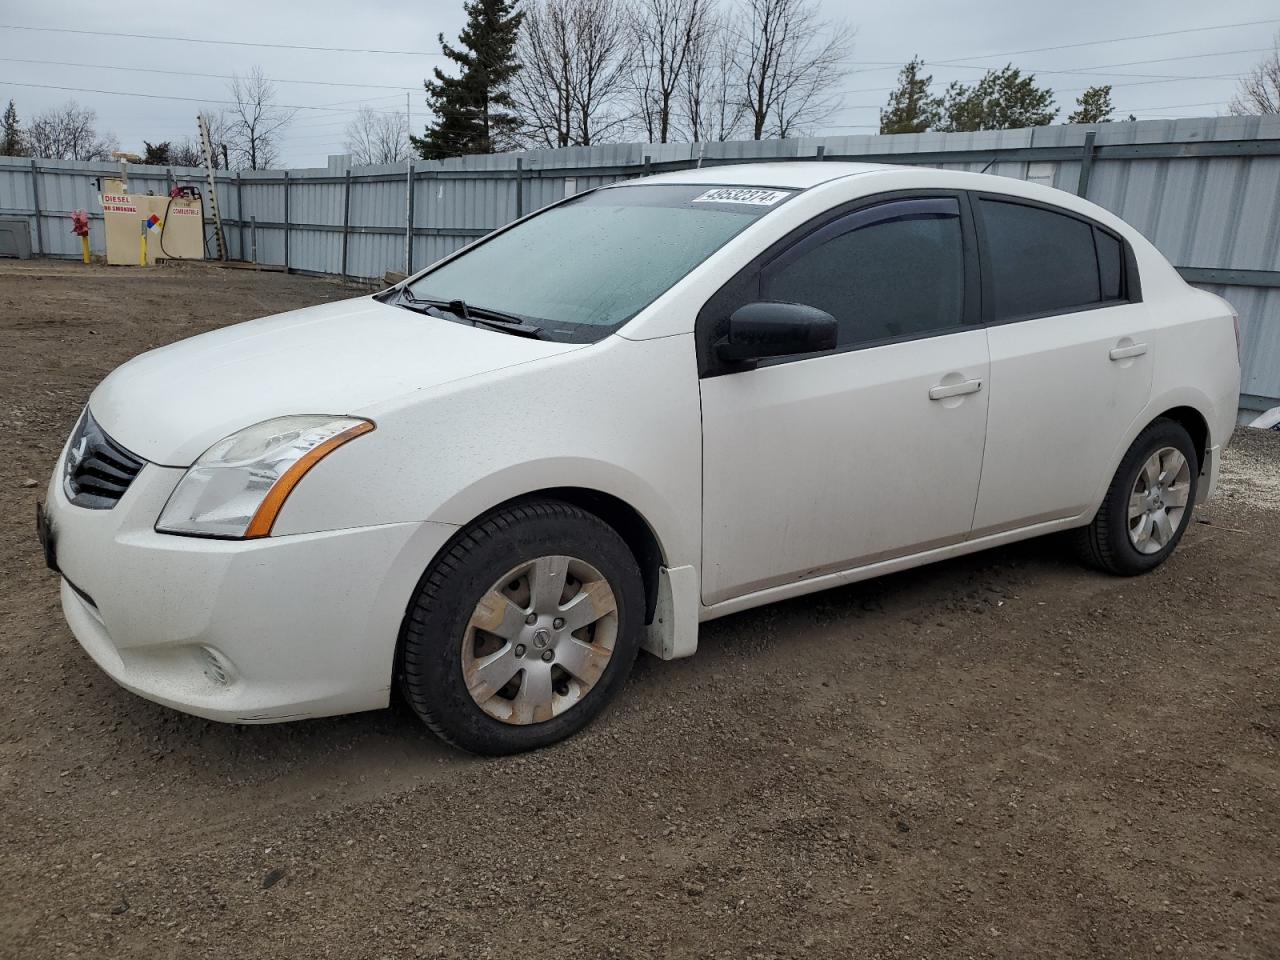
999, 756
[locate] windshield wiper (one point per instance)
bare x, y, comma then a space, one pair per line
478, 316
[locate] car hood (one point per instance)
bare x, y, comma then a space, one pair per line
170, 405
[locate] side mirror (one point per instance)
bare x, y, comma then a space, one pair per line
774, 329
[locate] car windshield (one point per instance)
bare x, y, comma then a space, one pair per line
582, 269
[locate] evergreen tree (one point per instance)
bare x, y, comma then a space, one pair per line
1094, 106
911, 108
472, 110
1001, 100
157, 154
11, 140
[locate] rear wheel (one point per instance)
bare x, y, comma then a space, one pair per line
1148, 505
523, 630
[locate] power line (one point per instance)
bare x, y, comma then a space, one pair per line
424, 53
1172, 106
1135, 83
166, 96
1103, 69
955, 62
231, 43
211, 76
1092, 43
379, 86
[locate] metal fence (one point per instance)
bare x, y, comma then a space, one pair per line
1206, 192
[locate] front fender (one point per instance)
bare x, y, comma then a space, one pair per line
594, 476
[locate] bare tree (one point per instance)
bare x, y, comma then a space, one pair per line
665, 34
574, 66
712, 107
791, 65
186, 153
254, 121
219, 138
68, 132
1260, 88
376, 137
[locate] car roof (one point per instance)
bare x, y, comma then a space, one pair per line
804, 174
793, 174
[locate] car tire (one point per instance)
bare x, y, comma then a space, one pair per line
489, 604
1148, 504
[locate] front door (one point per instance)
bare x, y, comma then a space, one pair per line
870, 451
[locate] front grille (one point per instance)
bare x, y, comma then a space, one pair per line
97, 470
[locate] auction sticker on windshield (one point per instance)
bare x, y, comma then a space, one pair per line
755, 197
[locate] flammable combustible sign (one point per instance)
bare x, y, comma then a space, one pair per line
184, 212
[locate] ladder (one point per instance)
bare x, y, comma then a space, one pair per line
207, 146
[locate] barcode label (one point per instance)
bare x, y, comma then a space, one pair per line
751, 195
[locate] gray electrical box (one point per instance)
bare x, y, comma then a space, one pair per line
15, 238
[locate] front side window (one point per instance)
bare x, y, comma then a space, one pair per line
894, 270
582, 269
1041, 262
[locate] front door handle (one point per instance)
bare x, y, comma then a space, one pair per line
1126, 353
944, 390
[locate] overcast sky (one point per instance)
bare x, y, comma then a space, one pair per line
1196, 75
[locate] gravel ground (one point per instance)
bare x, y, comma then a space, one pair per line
999, 756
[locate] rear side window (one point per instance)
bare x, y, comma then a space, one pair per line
1041, 262
1110, 265
896, 270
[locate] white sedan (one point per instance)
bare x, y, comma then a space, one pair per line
636, 410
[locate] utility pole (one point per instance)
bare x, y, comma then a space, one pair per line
408, 186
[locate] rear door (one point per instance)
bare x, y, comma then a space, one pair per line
1071, 359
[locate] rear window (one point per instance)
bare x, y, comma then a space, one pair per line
1040, 262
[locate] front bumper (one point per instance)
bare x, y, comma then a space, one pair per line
243, 631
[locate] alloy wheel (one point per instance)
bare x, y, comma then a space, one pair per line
539, 639
1159, 498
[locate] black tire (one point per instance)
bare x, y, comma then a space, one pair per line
430, 658
1105, 542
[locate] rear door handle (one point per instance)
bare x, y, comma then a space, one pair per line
1124, 353
944, 390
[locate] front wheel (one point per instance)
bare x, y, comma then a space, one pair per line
523, 630
1148, 505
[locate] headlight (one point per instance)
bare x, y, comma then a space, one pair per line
238, 485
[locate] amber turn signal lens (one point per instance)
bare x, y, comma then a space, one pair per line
265, 517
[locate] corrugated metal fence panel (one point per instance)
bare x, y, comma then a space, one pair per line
263, 197
1216, 211
315, 200
1259, 310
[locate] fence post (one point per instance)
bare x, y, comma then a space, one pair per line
35, 200
346, 221
822, 151
519, 187
286, 221
240, 212
408, 228
253, 240
1086, 163
648, 165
